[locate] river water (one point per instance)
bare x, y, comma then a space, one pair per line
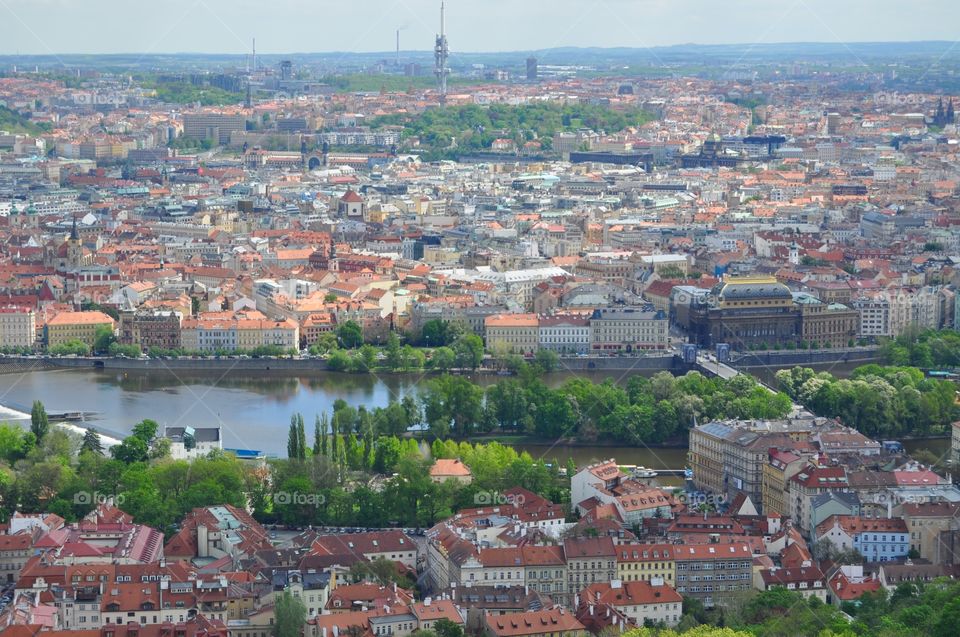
254, 411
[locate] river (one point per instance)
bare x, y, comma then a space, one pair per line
254, 411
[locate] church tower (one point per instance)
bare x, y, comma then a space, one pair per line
74, 247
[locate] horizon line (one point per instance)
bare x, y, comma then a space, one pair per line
494, 52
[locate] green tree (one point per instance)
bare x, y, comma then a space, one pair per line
443, 359
446, 628
39, 422
350, 335
15, 443
452, 401
290, 615
146, 430
92, 442
338, 361
548, 360
131, 450
317, 442
392, 352
469, 351
103, 339
296, 439
438, 333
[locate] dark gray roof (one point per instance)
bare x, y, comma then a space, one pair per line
759, 290
200, 434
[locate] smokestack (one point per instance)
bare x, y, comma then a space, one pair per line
397, 62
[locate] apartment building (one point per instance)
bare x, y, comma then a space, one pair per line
645, 562
215, 126
545, 569
516, 333
151, 328
874, 316
806, 485
716, 573
604, 483
925, 522
615, 330
589, 560
877, 539
642, 602
15, 550
564, 334
18, 327
780, 467
730, 457
494, 566
243, 331
81, 326
826, 324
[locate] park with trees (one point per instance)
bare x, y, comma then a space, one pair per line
878, 401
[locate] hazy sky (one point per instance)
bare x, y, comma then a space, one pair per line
286, 26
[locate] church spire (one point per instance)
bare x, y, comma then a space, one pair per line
74, 235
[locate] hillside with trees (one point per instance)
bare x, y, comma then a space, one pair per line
448, 131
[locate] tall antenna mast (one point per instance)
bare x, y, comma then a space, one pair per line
441, 53
254, 58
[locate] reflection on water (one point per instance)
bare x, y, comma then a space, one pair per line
254, 410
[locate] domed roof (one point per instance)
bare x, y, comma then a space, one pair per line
739, 288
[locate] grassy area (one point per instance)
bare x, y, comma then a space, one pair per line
207, 96
475, 127
187, 93
15, 122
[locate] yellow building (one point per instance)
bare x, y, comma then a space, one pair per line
642, 562
518, 333
781, 466
81, 326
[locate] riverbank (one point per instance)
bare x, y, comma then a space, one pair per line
533, 441
307, 366
749, 362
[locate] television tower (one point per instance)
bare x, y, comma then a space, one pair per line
440, 55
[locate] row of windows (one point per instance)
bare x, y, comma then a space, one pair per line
593, 565
710, 578
709, 565
710, 588
643, 566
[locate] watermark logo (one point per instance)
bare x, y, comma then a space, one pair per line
701, 500
86, 498
895, 98
495, 498
704, 100
298, 498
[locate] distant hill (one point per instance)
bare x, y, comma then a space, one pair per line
675, 54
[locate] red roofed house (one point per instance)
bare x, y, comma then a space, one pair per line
807, 580
444, 469
638, 601
217, 531
352, 205
553, 622
848, 584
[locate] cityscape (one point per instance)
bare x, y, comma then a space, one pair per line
435, 319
